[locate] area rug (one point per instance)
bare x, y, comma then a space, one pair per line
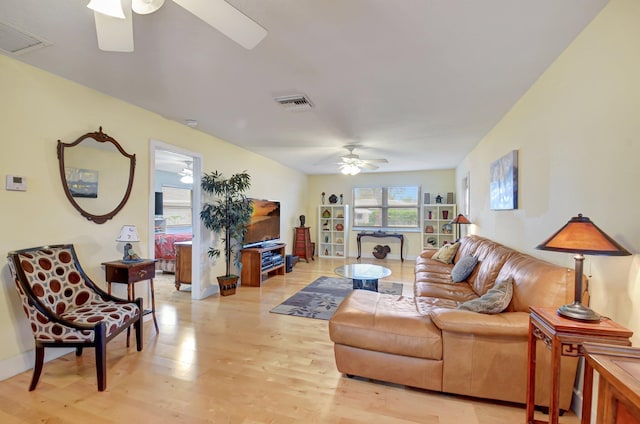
321, 298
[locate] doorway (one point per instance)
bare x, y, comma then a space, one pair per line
175, 174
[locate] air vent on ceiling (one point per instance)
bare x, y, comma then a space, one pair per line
16, 42
295, 102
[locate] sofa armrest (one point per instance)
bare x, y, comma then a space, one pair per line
502, 324
428, 253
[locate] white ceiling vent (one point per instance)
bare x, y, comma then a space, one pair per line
16, 42
294, 102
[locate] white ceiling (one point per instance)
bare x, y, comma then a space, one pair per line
418, 82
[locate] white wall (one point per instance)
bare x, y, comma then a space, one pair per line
578, 134
39, 109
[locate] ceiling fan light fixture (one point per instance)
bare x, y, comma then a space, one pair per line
111, 8
187, 179
349, 169
144, 7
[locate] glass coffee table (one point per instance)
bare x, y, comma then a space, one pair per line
364, 276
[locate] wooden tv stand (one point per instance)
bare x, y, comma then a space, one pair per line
256, 263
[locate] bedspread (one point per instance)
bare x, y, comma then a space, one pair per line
164, 245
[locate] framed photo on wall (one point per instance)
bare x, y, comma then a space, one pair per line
503, 186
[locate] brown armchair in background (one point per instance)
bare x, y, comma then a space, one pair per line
66, 309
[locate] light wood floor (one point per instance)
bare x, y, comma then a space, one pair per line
228, 360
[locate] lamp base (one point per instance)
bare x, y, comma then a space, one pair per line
578, 312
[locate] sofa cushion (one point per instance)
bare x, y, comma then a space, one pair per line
446, 253
385, 323
457, 292
463, 268
493, 301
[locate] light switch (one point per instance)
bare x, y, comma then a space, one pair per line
16, 183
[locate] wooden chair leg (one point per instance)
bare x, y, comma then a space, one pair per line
101, 356
79, 351
138, 327
37, 369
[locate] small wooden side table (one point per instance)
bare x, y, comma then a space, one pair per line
564, 337
619, 387
130, 273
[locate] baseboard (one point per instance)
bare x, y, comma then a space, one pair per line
576, 402
20, 363
23, 362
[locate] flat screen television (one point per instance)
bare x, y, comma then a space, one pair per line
265, 223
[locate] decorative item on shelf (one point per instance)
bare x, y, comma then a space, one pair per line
129, 234
325, 226
429, 229
229, 215
302, 220
431, 241
430, 214
339, 227
326, 252
460, 220
326, 239
582, 237
339, 253
339, 215
438, 199
450, 198
427, 198
326, 213
445, 214
341, 198
447, 229
339, 241
380, 252
333, 199
323, 194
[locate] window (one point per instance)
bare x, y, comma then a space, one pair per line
386, 207
176, 206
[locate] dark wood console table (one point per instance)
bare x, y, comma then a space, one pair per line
380, 234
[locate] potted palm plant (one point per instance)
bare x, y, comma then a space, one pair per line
229, 215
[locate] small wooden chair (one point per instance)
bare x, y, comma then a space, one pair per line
67, 309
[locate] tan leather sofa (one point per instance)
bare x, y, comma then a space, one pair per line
426, 342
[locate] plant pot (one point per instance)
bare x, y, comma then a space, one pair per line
228, 284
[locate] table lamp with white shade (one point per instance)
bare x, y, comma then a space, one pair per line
128, 235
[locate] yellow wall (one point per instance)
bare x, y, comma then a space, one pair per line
578, 134
440, 181
39, 108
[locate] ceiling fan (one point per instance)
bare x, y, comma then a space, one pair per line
114, 21
186, 174
351, 164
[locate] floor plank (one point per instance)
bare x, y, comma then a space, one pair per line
228, 360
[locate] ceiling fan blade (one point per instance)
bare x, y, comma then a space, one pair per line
115, 34
376, 160
367, 166
226, 19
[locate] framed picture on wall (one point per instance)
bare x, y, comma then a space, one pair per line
503, 186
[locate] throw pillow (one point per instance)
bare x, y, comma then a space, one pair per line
446, 253
494, 301
463, 268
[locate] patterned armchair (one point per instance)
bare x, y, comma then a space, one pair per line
67, 309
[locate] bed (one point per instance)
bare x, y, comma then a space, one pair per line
165, 251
